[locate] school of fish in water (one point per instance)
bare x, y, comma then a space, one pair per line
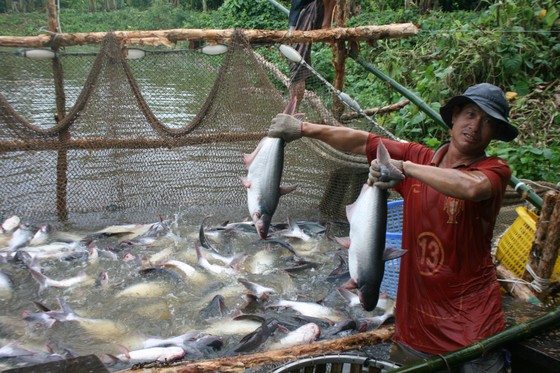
172, 290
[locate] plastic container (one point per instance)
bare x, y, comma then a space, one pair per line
393, 239
515, 245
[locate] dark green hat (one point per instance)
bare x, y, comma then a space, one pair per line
491, 100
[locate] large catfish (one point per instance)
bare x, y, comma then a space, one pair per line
265, 165
366, 245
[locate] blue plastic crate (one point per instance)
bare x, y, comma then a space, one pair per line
394, 216
393, 239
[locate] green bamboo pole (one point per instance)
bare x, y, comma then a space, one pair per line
475, 350
514, 182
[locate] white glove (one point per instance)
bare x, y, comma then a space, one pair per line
374, 177
286, 127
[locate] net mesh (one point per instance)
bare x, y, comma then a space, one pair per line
132, 139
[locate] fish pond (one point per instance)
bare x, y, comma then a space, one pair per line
123, 287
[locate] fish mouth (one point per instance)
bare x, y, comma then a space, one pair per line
261, 229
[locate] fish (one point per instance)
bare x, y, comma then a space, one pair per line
202, 237
305, 334
213, 268
178, 341
101, 329
6, 286
20, 237
309, 309
46, 282
368, 225
294, 231
255, 339
161, 354
42, 235
265, 167
374, 322
216, 308
14, 350
186, 270
143, 290
10, 224
259, 291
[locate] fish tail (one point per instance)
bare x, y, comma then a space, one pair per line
388, 170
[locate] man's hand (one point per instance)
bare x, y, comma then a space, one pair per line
286, 127
374, 177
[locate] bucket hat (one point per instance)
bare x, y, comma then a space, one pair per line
491, 100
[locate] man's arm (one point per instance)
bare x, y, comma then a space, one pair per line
341, 138
467, 185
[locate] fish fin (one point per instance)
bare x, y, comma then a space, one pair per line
41, 306
351, 207
287, 189
350, 284
112, 359
393, 253
388, 170
299, 116
292, 106
248, 158
344, 241
246, 183
41, 279
346, 294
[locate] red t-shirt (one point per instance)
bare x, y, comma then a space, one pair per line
449, 296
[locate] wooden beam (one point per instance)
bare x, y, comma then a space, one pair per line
244, 363
167, 37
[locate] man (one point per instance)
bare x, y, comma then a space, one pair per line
306, 15
448, 294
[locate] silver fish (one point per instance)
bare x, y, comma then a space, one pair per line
305, 334
46, 282
265, 165
311, 309
368, 224
162, 354
6, 286
10, 224
21, 237
42, 235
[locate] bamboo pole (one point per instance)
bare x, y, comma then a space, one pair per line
96, 143
514, 182
475, 350
241, 363
167, 37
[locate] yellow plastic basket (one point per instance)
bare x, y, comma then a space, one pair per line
515, 245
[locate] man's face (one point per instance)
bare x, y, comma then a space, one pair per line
472, 129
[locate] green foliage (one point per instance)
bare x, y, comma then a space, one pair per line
254, 14
529, 162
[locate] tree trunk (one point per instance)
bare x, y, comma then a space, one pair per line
535, 254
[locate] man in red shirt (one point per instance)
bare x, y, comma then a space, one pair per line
448, 294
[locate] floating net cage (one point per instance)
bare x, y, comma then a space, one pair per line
98, 138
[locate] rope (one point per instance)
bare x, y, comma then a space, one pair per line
538, 283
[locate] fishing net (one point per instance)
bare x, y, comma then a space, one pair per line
98, 137
92, 136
